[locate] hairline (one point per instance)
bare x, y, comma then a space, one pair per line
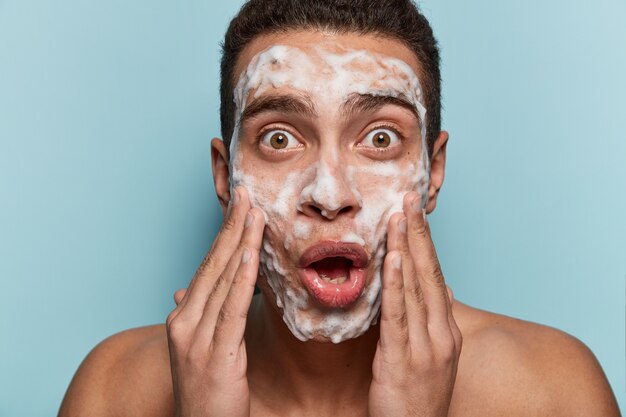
234, 78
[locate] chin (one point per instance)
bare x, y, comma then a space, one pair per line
308, 320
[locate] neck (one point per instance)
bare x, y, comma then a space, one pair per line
308, 372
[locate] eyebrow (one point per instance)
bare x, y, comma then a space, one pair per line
303, 105
286, 103
357, 103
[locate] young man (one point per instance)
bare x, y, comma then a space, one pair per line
332, 158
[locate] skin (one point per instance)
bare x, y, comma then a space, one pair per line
224, 352
331, 181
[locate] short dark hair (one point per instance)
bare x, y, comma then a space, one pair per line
396, 19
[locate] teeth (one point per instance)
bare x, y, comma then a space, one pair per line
338, 280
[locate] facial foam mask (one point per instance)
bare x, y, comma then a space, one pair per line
329, 76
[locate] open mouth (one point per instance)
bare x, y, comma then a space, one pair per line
335, 270
334, 273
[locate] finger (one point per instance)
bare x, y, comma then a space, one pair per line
453, 326
178, 295
231, 323
251, 238
456, 331
221, 252
394, 332
222, 284
413, 298
251, 241
394, 237
427, 265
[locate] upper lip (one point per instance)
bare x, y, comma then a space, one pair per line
330, 249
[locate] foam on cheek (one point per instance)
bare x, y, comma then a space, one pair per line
277, 200
274, 207
280, 206
377, 207
371, 221
301, 230
329, 77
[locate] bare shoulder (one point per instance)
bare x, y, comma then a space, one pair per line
126, 374
509, 364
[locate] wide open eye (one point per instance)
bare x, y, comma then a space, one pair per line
279, 139
381, 138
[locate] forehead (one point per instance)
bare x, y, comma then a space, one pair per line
328, 69
311, 42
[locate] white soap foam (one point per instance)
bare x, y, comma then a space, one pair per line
329, 77
301, 230
323, 191
352, 237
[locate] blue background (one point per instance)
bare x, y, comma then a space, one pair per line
107, 205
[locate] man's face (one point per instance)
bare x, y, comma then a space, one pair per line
328, 139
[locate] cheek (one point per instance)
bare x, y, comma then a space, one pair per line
382, 196
274, 196
277, 199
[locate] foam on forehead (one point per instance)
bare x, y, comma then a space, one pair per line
331, 75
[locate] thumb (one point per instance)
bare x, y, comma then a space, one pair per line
178, 295
450, 294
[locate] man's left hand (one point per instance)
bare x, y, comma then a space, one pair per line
416, 360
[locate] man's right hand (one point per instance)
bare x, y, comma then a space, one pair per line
206, 329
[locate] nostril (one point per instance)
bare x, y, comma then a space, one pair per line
316, 209
345, 209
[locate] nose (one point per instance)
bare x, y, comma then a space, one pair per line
329, 194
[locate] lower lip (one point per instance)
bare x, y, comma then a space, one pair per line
333, 295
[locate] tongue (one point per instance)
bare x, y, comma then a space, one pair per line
336, 270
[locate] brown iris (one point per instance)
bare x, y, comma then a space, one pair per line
382, 140
279, 140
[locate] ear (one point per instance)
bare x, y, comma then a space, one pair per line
221, 175
437, 170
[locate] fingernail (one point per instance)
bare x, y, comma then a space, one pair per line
402, 225
397, 261
416, 204
424, 216
245, 257
248, 221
